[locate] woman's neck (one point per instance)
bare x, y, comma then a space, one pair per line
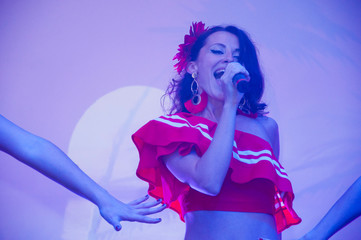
213, 110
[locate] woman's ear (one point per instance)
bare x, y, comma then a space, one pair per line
192, 67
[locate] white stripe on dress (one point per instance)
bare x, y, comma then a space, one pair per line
203, 129
252, 153
201, 125
280, 172
186, 124
278, 168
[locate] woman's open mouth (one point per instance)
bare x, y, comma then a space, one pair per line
218, 74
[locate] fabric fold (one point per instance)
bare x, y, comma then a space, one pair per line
252, 156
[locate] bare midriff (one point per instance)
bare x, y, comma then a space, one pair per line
224, 225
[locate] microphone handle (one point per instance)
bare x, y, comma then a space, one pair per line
241, 83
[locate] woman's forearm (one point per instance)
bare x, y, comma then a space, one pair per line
45, 157
55, 164
346, 209
215, 161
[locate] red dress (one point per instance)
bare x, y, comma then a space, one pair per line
254, 181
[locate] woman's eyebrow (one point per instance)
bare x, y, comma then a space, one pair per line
219, 44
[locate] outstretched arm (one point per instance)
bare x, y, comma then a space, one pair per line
48, 159
345, 210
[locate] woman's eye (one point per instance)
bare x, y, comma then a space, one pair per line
218, 52
237, 58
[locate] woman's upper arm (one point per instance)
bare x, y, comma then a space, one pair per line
184, 168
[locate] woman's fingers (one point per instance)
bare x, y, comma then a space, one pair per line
148, 204
117, 227
115, 211
139, 200
116, 223
234, 68
147, 211
145, 208
145, 219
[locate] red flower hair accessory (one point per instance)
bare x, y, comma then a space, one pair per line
184, 49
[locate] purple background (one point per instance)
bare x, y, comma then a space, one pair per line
59, 57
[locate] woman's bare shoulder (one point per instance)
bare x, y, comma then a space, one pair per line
268, 123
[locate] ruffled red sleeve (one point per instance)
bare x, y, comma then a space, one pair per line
252, 158
161, 137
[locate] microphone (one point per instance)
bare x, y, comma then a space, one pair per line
241, 83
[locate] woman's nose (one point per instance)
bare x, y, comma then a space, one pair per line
228, 57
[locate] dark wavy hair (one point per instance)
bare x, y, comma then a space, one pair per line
179, 90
